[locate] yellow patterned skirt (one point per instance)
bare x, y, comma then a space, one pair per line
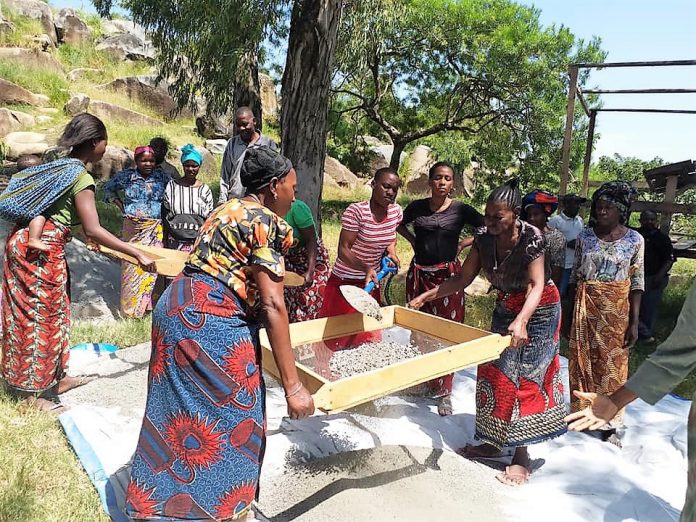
598, 361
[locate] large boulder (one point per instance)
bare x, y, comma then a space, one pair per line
33, 58
11, 121
127, 47
212, 127
11, 93
77, 104
339, 173
117, 27
115, 160
148, 92
36, 10
419, 163
269, 98
21, 143
70, 28
110, 111
216, 146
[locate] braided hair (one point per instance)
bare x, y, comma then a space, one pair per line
508, 194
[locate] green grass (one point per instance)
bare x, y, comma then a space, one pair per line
25, 29
37, 80
122, 333
40, 477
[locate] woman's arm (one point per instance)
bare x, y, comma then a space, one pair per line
518, 327
112, 188
309, 236
470, 269
87, 210
464, 243
345, 254
391, 254
300, 402
407, 234
634, 299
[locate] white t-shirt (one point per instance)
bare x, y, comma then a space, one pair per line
570, 228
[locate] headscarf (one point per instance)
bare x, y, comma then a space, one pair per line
540, 198
189, 153
142, 150
619, 193
260, 165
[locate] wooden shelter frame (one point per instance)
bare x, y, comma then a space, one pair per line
668, 207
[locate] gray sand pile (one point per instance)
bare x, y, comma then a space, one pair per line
370, 356
388, 483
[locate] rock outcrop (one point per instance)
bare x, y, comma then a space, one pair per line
11, 121
269, 98
11, 93
70, 28
77, 104
115, 159
419, 163
127, 47
148, 92
33, 58
21, 143
213, 127
339, 173
36, 10
216, 146
109, 111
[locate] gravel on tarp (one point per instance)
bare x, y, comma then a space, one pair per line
370, 356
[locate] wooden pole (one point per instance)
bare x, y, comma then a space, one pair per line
640, 91
588, 153
568, 134
663, 63
583, 102
670, 194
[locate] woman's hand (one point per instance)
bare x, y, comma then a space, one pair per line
395, 259
600, 411
631, 335
300, 404
518, 330
417, 302
145, 262
371, 277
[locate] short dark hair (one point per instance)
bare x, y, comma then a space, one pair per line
28, 160
439, 165
241, 111
82, 130
649, 213
159, 141
379, 173
507, 193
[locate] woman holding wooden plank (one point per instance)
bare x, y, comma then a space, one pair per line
519, 397
437, 224
201, 444
35, 287
138, 193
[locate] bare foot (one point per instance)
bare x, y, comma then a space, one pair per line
69, 383
483, 451
514, 475
37, 244
444, 408
37, 403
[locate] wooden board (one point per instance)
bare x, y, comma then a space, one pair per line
469, 347
170, 262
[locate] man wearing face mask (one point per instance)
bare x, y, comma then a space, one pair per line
247, 136
658, 261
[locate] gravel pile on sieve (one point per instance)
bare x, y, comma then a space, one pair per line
370, 356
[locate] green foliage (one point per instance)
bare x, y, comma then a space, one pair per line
37, 80
122, 333
201, 42
485, 69
618, 167
24, 29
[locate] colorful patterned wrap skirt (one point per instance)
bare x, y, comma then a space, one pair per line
519, 397
422, 278
35, 310
202, 440
598, 360
305, 302
136, 284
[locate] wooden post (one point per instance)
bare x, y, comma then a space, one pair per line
588, 154
670, 194
568, 135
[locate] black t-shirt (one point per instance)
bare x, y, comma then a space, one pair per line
437, 233
658, 249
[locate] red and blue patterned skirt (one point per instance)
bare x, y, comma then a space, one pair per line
201, 444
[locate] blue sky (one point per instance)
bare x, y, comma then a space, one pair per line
631, 30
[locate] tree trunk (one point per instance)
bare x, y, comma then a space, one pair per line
305, 93
395, 160
247, 87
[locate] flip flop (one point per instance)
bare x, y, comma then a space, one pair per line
512, 477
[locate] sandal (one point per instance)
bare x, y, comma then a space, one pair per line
444, 407
514, 475
474, 453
